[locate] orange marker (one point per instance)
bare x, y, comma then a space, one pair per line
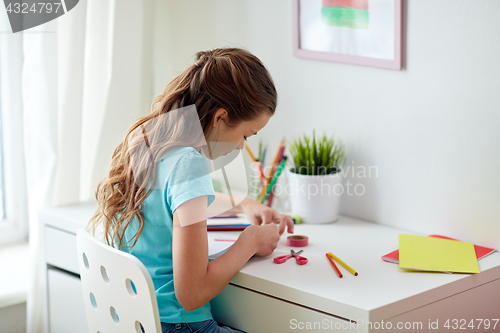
334, 266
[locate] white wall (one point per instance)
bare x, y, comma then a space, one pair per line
432, 130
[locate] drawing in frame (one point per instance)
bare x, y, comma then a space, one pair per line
361, 32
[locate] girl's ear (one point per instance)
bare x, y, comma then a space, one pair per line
220, 115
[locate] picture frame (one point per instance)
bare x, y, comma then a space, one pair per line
359, 32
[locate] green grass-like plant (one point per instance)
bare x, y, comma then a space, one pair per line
321, 156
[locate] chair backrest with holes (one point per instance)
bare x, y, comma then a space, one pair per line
118, 291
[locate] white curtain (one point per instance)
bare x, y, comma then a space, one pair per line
83, 84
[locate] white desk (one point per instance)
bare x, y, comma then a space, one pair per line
313, 292
266, 297
62, 297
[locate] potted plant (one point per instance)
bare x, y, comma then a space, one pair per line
315, 183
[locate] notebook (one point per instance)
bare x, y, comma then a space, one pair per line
481, 251
436, 254
217, 248
227, 223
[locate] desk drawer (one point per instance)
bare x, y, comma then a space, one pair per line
478, 307
254, 312
60, 249
66, 303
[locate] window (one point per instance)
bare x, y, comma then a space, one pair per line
2, 199
13, 196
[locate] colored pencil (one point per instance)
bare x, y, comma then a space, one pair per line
275, 179
282, 152
261, 173
226, 228
275, 161
270, 199
271, 195
259, 158
334, 266
223, 216
343, 264
250, 153
268, 178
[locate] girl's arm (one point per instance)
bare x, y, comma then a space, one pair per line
197, 281
256, 213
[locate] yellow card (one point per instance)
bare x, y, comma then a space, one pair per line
435, 254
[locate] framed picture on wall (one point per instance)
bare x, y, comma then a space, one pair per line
361, 32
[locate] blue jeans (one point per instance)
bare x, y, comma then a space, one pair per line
207, 326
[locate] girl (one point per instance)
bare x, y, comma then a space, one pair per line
153, 203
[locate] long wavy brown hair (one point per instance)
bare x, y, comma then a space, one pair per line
228, 78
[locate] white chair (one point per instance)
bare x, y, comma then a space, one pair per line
118, 291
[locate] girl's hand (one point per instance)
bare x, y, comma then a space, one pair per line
264, 238
260, 214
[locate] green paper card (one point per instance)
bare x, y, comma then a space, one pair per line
435, 254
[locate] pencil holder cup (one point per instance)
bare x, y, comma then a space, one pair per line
315, 198
256, 180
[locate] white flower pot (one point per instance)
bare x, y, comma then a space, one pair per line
315, 198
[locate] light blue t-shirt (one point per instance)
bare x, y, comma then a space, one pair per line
182, 174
